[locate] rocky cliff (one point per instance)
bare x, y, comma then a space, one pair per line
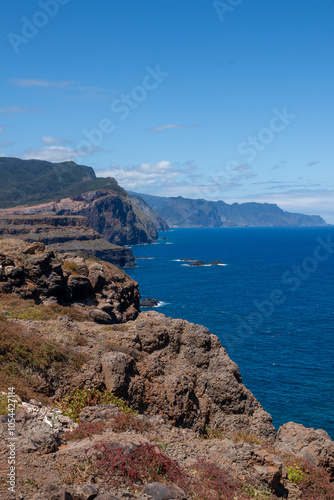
158, 221
136, 406
101, 290
78, 191
65, 234
107, 213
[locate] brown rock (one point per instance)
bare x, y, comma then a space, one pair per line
313, 445
159, 491
186, 375
117, 369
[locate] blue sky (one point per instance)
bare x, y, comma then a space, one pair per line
231, 99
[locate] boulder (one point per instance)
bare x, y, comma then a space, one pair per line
313, 445
158, 491
117, 369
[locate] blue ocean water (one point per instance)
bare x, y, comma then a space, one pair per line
271, 305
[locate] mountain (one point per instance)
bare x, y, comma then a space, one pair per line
31, 188
186, 212
28, 182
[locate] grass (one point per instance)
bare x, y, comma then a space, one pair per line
73, 404
26, 309
3, 404
236, 436
24, 354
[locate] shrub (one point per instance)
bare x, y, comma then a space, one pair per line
75, 402
313, 481
213, 482
85, 430
144, 464
127, 422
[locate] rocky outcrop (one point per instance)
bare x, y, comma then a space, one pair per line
184, 374
39, 273
313, 445
65, 234
107, 212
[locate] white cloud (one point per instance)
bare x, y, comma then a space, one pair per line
135, 177
19, 109
47, 84
21, 82
47, 139
159, 128
57, 153
5, 144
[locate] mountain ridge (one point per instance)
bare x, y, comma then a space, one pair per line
198, 212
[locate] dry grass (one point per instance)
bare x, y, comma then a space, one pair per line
26, 309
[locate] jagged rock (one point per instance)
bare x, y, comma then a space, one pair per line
117, 369
36, 272
186, 376
159, 491
98, 413
215, 263
86, 492
149, 303
313, 445
196, 263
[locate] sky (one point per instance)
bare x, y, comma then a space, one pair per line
223, 99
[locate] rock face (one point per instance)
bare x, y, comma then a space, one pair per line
38, 273
107, 212
158, 221
184, 374
313, 445
65, 234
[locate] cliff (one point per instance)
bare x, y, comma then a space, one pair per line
65, 234
158, 221
41, 187
135, 406
101, 290
185, 212
106, 212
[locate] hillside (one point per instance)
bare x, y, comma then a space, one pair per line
186, 212
111, 403
34, 187
28, 182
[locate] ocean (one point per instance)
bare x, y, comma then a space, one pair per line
271, 304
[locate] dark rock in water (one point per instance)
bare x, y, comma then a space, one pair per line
149, 303
164, 238
197, 263
215, 263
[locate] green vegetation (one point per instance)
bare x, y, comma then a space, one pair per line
73, 404
29, 182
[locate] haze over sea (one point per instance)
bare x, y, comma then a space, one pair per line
271, 305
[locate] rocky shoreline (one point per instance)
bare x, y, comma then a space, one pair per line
120, 386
